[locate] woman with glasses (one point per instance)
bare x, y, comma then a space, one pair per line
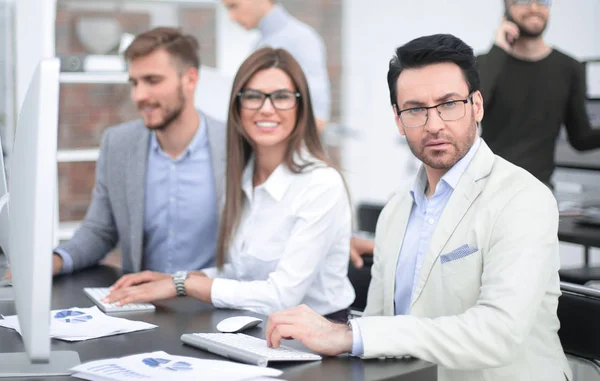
285, 228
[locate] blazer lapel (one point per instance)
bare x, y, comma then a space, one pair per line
136, 189
466, 192
396, 233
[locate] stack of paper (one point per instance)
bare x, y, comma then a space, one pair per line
77, 324
163, 366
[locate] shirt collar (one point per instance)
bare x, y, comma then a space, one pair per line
450, 179
275, 20
455, 173
199, 140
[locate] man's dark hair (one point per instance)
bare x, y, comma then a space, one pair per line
428, 50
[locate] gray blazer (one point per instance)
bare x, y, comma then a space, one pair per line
116, 212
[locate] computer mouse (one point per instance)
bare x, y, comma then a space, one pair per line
238, 323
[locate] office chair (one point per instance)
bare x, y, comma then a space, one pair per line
367, 215
360, 279
578, 312
580, 276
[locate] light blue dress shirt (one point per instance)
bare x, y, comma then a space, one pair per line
180, 211
423, 219
279, 29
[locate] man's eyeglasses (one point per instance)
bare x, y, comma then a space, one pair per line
544, 3
448, 111
280, 99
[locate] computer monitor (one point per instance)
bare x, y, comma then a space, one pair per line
32, 188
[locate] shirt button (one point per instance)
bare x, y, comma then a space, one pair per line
431, 221
172, 167
172, 200
171, 233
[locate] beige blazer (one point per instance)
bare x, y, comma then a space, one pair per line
490, 315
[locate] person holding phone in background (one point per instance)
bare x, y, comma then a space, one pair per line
529, 90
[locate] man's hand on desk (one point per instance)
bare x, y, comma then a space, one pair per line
57, 264
311, 329
146, 286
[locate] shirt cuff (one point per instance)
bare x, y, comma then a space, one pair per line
67, 267
357, 343
221, 292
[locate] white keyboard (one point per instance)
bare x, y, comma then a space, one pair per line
244, 348
96, 294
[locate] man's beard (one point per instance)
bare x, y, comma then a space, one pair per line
171, 114
460, 149
523, 31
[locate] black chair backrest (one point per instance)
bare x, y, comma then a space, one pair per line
367, 215
360, 279
579, 315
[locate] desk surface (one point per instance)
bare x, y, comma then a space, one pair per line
186, 315
572, 232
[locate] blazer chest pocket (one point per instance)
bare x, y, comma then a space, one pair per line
461, 270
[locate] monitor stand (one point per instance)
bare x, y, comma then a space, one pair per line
19, 365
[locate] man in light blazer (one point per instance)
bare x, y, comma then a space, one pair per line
465, 270
158, 179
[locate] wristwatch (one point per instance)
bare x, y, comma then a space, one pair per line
179, 279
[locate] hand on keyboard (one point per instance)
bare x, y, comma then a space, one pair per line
98, 294
143, 287
139, 278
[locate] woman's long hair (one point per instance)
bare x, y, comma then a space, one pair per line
304, 136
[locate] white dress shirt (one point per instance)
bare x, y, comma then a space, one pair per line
292, 244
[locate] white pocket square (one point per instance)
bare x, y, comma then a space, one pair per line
455, 254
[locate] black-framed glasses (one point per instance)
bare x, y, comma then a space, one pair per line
544, 3
280, 99
448, 111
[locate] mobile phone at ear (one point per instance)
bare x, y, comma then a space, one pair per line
506, 37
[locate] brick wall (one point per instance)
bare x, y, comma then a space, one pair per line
86, 110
